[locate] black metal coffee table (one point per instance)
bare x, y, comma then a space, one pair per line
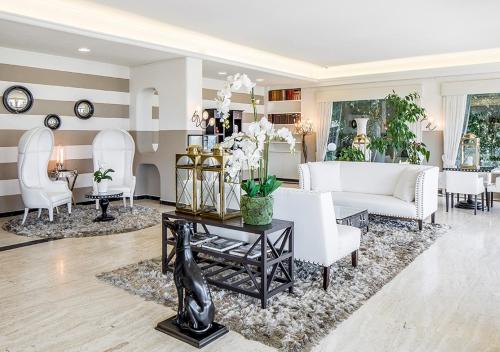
350, 216
261, 277
104, 202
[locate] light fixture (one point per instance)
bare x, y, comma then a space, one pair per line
84, 50
259, 80
222, 73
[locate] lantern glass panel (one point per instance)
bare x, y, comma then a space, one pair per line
186, 184
210, 186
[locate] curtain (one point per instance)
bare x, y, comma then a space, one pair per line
323, 128
454, 109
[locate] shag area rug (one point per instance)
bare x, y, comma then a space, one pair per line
296, 322
80, 222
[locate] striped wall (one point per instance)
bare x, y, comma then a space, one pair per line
56, 83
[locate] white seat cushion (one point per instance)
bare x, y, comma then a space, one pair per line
376, 203
58, 196
124, 189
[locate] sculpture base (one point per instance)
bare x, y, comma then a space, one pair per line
197, 340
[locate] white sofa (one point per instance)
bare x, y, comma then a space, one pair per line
377, 187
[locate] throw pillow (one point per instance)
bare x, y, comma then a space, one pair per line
325, 176
405, 187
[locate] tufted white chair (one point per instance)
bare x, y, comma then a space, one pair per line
114, 149
317, 236
37, 190
463, 182
494, 187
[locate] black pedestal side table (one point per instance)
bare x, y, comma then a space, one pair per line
104, 202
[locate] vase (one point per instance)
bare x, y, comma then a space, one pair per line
361, 141
102, 187
256, 210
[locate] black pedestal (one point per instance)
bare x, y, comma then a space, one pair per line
197, 340
104, 202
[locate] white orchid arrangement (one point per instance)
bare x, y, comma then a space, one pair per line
224, 95
252, 149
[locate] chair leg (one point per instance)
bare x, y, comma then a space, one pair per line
491, 199
69, 208
97, 205
482, 201
452, 200
39, 212
433, 218
420, 225
57, 210
51, 214
26, 210
124, 202
447, 201
354, 258
131, 199
475, 204
458, 197
326, 277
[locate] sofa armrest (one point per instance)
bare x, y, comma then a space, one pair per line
426, 192
304, 177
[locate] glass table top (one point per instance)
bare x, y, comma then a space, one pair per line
342, 212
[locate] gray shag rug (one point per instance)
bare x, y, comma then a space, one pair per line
297, 322
80, 222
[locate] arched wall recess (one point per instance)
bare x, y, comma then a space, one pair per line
147, 120
148, 180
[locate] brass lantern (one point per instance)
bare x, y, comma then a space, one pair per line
220, 194
187, 175
470, 147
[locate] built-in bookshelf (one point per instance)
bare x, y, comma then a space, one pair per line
284, 106
284, 94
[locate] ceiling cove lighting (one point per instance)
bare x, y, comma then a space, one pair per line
222, 73
259, 80
84, 50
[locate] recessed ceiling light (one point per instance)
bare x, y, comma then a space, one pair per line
84, 50
260, 79
222, 73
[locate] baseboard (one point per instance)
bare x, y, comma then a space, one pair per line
146, 196
167, 202
288, 180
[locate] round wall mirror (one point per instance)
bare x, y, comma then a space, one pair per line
17, 99
84, 109
52, 121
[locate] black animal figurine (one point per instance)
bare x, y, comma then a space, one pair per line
196, 310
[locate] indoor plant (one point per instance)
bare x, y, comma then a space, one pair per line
101, 177
398, 136
351, 154
251, 149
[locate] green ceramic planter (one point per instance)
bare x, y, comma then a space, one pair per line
257, 210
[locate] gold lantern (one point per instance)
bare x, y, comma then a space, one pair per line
470, 147
187, 176
220, 194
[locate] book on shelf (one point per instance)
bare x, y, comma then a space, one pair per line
201, 237
243, 250
222, 244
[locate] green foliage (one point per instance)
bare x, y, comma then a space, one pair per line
101, 174
256, 189
416, 151
398, 136
351, 154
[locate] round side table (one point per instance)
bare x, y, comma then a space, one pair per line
104, 202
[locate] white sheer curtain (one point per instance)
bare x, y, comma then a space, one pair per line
323, 128
454, 108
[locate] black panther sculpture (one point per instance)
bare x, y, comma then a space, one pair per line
196, 310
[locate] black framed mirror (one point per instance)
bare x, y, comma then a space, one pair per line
17, 99
84, 109
52, 121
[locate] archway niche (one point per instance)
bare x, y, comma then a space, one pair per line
148, 180
148, 123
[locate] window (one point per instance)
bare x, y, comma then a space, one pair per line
343, 127
484, 122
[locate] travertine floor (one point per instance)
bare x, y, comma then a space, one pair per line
447, 300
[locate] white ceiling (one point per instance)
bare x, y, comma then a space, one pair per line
27, 37
334, 32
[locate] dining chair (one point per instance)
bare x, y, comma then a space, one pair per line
463, 182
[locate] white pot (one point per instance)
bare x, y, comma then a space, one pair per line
102, 187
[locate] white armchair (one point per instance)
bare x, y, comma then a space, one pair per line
317, 236
463, 182
37, 190
114, 149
